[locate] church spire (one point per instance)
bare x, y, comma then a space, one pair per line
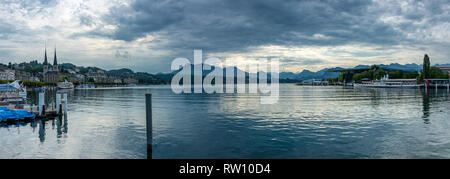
45, 56
55, 62
45, 64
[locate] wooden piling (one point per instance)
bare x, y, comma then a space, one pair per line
58, 103
41, 103
43, 110
148, 109
65, 103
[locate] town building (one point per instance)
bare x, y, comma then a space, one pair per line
129, 81
7, 74
25, 76
98, 76
77, 78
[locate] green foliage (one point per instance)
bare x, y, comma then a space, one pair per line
434, 73
358, 76
380, 73
437, 73
403, 75
122, 73
33, 68
34, 83
6, 81
366, 74
63, 78
333, 80
421, 77
146, 78
426, 67
411, 75
396, 74
27, 83
341, 77
429, 72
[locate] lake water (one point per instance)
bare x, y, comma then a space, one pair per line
307, 122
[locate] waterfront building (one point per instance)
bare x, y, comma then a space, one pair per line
79, 78
23, 75
116, 80
98, 76
7, 74
313, 82
129, 81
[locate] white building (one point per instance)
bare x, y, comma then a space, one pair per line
7, 74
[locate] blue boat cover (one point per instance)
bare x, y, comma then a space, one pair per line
6, 114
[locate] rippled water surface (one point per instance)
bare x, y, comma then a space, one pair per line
307, 122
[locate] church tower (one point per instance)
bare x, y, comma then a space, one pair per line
55, 62
45, 65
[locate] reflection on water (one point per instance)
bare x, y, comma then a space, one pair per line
426, 108
59, 122
307, 122
104, 123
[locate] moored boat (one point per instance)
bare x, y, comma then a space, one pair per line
8, 115
14, 92
65, 85
390, 83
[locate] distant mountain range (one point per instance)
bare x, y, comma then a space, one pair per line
325, 74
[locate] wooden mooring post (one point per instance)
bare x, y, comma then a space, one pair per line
148, 109
58, 103
60, 107
65, 103
41, 103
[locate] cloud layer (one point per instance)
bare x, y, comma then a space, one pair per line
147, 35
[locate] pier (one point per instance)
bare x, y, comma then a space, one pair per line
59, 109
23, 112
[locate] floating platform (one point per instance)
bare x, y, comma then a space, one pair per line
14, 112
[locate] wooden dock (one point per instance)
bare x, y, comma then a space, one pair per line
41, 111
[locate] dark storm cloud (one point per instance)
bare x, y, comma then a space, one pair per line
143, 17
222, 26
153, 32
86, 20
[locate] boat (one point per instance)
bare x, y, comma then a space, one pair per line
8, 115
65, 85
14, 92
385, 82
389, 83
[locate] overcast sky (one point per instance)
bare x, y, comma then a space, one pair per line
147, 35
